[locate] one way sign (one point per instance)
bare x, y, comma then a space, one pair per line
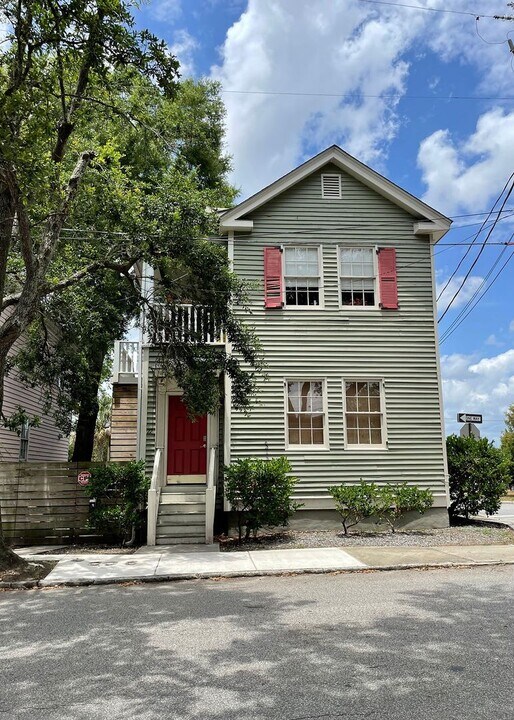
468, 418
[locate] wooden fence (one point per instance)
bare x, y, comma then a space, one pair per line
42, 503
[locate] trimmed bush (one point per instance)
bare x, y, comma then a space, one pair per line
479, 476
120, 493
387, 502
395, 501
355, 502
260, 493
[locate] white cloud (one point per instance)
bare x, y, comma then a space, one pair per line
183, 48
493, 341
166, 10
320, 46
476, 385
468, 174
468, 289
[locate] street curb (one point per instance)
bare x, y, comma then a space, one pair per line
256, 573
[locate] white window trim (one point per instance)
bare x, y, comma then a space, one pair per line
302, 308
307, 448
366, 448
358, 308
325, 197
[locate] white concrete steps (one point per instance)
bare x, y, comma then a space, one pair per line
181, 516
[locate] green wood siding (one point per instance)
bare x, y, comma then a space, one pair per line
331, 343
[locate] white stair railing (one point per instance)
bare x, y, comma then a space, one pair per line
125, 360
154, 496
210, 499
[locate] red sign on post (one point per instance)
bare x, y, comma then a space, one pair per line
83, 478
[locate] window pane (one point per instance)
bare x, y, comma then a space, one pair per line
374, 404
294, 421
374, 389
317, 437
364, 437
294, 437
351, 404
375, 421
351, 421
317, 421
352, 437
376, 437
351, 389
362, 404
305, 437
305, 421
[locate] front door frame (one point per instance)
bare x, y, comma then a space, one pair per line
164, 391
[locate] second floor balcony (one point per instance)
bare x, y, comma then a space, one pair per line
182, 323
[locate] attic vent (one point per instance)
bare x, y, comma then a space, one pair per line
331, 187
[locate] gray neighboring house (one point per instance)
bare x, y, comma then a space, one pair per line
344, 305
36, 444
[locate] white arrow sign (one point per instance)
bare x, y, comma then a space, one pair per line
468, 418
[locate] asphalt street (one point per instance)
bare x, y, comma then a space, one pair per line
400, 645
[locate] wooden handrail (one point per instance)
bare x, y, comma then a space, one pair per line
210, 498
154, 495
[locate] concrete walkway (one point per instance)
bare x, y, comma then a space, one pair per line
159, 564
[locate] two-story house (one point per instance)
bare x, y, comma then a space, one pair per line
341, 260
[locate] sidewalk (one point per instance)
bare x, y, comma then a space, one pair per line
162, 563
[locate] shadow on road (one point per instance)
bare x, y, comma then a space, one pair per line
395, 645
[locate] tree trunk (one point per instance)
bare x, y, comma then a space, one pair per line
8, 558
88, 413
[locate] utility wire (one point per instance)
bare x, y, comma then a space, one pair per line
478, 233
480, 298
428, 8
477, 257
358, 96
478, 290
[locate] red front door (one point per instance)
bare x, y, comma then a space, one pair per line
187, 441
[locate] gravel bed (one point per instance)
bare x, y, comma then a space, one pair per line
468, 535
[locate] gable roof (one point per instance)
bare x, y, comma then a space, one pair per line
429, 221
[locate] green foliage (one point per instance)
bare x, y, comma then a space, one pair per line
395, 501
260, 493
386, 502
19, 418
479, 475
120, 491
355, 502
507, 443
158, 169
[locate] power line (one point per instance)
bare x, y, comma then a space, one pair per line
480, 298
456, 321
477, 257
358, 96
429, 9
476, 237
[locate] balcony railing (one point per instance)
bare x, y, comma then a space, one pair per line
125, 366
188, 323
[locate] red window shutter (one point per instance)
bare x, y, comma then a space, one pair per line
388, 278
273, 283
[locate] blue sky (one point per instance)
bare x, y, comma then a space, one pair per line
455, 154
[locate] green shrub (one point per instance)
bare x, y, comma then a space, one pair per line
260, 493
388, 502
478, 474
394, 501
120, 491
355, 502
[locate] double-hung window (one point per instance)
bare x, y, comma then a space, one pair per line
302, 276
357, 277
24, 441
306, 424
364, 413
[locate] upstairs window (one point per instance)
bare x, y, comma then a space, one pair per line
302, 276
357, 277
331, 187
364, 413
305, 413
